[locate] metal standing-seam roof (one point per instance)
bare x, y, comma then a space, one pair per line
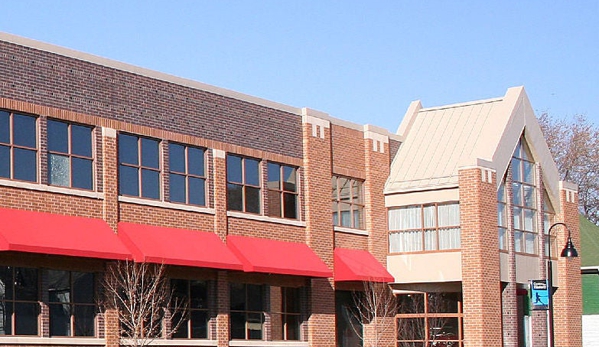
438, 141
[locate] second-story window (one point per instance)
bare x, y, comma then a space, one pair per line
70, 155
187, 177
243, 184
18, 146
139, 166
282, 191
348, 203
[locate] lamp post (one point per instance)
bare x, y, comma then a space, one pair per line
568, 252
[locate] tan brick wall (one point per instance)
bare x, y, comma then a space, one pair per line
480, 260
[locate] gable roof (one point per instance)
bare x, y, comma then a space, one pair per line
438, 141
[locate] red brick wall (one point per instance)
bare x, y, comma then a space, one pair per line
567, 302
480, 260
347, 149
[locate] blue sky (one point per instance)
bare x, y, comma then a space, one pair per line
363, 61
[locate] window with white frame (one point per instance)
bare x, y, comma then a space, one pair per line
424, 228
347, 202
524, 200
502, 216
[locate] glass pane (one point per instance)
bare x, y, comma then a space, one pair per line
58, 137
443, 329
344, 189
128, 151
530, 243
529, 172
26, 318
59, 286
177, 188
410, 329
234, 197
197, 191
60, 319
234, 169
84, 320
518, 240
81, 140
149, 153
252, 200
83, 287
150, 184
254, 326
82, 173
6, 318
290, 203
24, 133
430, 216
195, 158
176, 157
252, 173
274, 176
516, 170
25, 165
501, 192
334, 195
26, 284
289, 179
6, 282
5, 161
529, 196
237, 325
255, 299
4, 127
58, 170
345, 210
357, 217
517, 194
181, 322
199, 324
529, 220
274, 203
128, 181
237, 296
199, 294
357, 192
501, 215
430, 240
517, 218
502, 238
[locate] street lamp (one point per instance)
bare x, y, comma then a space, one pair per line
568, 252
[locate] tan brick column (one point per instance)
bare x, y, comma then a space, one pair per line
480, 258
110, 180
319, 226
567, 300
111, 328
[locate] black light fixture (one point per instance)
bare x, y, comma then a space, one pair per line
568, 252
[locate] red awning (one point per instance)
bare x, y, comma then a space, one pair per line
48, 233
277, 257
151, 244
358, 265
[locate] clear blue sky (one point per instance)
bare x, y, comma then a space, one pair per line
362, 61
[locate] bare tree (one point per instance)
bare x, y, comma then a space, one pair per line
141, 294
574, 145
375, 308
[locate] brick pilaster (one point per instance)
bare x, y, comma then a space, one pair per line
219, 181
480, 258
110, 181
111, 328
567, 300
509, 300
222, 318
319, 228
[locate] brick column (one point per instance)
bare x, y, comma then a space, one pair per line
319, 226
509, 299
376, 155
222, 318
219, 180
111, 328
480, 258
539, 317
567, 300
110, 182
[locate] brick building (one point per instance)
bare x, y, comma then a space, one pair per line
472, 195
266, 215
